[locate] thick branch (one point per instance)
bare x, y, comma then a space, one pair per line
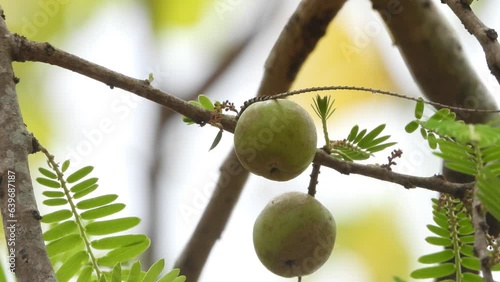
27, 255
180, 106
435, 57
26, 50
486, 36
297, 40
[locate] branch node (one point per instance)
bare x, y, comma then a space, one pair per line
492, 34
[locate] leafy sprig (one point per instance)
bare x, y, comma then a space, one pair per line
471, 149
79, 242
361, 144
216, 108
323, 107
453, 230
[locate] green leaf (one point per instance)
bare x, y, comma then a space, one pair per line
154, 271
360, 136
111, 226
123, 254
467, 250
440, 220
96, 202
438, 257
353, 133
397, 279
431, 140
439, 231
411, 127
466, 230
491, 154
438, 241
65, 165
434, 271
56, 216
423, 132
64, 244
79, 174
461, 167
471, 263
205, 102
53, 194
55, 202
71, 266
377, 141
217, 139
371, 136
118, 241
102, 211
85, 192
116, 275
181, 278
419, 108
48, 182
381, 147
170, 276
471, 277
467, 239
47, 173
135, 272
84, 185
85, 274
60, 230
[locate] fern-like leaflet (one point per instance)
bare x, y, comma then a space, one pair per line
454, 231
470, 149
360, 145
79, 242
467, 148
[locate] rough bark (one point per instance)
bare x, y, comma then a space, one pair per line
27, 255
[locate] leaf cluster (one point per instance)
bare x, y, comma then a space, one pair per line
80, 242
453, 230
360, 144
472, 149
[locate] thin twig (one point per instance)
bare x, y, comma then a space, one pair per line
363, 89
486, 36
434, 183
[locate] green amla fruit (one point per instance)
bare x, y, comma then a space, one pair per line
275, 139
294, 235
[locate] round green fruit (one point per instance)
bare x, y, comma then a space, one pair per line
294, 235
275, 139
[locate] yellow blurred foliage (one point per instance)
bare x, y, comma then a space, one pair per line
375, 238
338, 61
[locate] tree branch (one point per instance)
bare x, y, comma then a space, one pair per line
486, 36
27, 255
435, 57
141, 88
434, 183
297, 40
480, 241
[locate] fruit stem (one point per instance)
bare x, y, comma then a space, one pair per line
311, 190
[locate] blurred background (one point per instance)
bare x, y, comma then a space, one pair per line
162, 169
